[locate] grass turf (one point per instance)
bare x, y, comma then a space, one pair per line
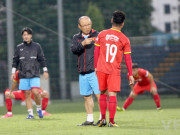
140, 118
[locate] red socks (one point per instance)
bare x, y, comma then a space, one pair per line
44, 103
103, 105
112, 108
9, 104
128, 102
157, 100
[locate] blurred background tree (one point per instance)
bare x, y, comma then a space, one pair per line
96, 16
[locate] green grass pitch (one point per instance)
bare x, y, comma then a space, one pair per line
140, 119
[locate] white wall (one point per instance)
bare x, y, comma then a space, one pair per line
159, 18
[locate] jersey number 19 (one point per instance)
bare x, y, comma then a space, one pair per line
112, 51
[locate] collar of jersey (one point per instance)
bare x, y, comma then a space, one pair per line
115, 29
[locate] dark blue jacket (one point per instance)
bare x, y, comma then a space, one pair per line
85, 54
28, 58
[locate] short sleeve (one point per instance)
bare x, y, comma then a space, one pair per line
127, 47
144, 72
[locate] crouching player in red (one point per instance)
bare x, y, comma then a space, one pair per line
20, 95
144, 82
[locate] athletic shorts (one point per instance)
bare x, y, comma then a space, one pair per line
138, 89
109, 81
88, 84
29, 83
20, 95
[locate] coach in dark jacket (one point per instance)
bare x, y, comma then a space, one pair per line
83, 47
84, 51
28, 57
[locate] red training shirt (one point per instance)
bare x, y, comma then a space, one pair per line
142, 77
113, 43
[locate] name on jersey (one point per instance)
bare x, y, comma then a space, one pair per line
138, 80
112, 38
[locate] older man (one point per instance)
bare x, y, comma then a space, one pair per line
83, 47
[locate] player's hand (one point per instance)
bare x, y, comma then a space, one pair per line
13, 76
46, 75
131, 80
87, 41
153, 89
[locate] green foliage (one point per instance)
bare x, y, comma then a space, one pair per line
3, 48
138, 17
138, 14
95, 14
40, 15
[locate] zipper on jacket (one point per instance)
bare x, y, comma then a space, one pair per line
84, 59
78, 64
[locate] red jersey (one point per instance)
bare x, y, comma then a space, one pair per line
142, 77
16, 77
113, 43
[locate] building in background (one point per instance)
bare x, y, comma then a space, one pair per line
165, 16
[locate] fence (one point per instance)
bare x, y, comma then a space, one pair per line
41, 16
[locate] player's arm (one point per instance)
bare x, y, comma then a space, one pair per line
15, 63
42, 60
151, 81
132, 87
13, 86
97, 49
96, 55
128, 62
77, 48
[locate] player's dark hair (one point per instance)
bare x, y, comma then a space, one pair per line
134, 65
118, 17
28, 30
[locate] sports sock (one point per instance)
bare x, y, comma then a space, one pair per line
128, 102
103, 105
90, 117
38, 107
112, 108
43, 111
100, 116
10, 113
44, 103
9, 104
157, 100
30, 111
